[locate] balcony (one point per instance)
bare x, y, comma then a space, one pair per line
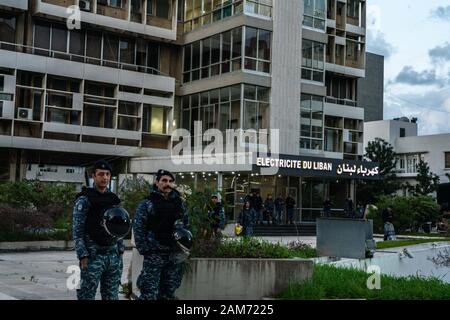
77, 58
122, 18
16, 4
194, 20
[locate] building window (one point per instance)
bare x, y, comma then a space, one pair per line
221, 108
98, 48
2, 83
42, 35
198, 13
111, 3
256, 107
222, 53
7, 28
1, 109
313, 61
314, 14
311, 122
257, 50
447, 160
353, 8
402, 132
341, 90
155, 119
411, 163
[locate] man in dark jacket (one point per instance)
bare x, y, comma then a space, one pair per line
100, 255
246, 218
290, 205
269, 207
156, 219
216, 214
279, 208
389, 231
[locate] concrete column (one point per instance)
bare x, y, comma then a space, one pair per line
144, 12
12, 165
286, 73
353, 190
220, 182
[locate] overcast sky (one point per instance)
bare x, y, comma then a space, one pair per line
414, 37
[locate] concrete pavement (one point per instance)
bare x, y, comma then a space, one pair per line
41, 275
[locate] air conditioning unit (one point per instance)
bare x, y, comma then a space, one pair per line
85, 5
25, 113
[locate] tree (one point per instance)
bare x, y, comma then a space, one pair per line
382, 152
427, 182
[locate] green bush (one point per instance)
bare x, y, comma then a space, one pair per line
329, 282
409, 212
36, 194
31, 225
132, 192
247, 247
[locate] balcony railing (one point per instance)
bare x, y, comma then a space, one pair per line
226, 10
77, 58
344, 102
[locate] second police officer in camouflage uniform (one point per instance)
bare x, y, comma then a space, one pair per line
153, 227
100, 256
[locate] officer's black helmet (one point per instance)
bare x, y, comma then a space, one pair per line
182, 245
117, 222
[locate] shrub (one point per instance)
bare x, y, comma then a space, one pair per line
132, 191
35, 194
247, 247
409, 212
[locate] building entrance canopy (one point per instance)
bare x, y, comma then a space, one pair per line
285, 165
302, 166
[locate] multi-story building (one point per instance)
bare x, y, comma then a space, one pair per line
139, 69
289, 65
410, 148
70, 95
371, 88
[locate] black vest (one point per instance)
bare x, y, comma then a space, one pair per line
166, 212
99, 203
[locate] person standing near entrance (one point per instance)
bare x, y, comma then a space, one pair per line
290, 205
157, 219
269, 207
279, 208
349, 207
216, 213
259, 208
327, 208
100, 255
388, 217
246, 218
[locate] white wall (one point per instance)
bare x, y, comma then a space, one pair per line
286, 77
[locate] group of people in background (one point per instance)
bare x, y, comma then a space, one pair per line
349, 210
271, 211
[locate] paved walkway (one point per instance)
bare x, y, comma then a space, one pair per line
41, 275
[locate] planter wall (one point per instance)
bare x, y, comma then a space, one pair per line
235, 279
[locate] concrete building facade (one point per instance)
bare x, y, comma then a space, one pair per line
138, 69
410, 148
371, 88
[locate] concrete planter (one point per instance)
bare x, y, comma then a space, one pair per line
235, 279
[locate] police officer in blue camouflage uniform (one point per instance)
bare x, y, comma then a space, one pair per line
154, 225
100, 255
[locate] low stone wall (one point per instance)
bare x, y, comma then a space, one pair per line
235, 279
42, 245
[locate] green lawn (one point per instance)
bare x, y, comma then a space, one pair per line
329, 282
404, 243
